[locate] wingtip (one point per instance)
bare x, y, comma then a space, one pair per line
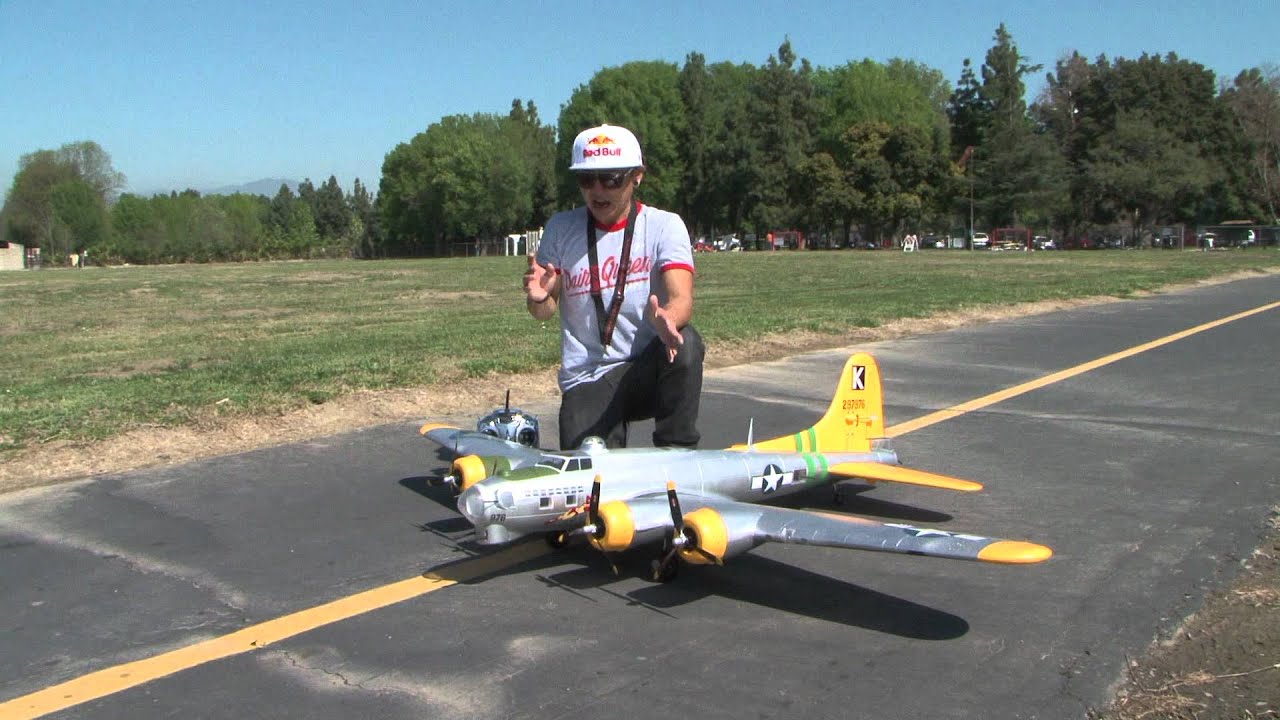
1015, 552
435, 426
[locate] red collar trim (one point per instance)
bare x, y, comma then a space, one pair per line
620, 225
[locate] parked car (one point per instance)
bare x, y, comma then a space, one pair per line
932, 242
981, 241
728, 243
1044, 243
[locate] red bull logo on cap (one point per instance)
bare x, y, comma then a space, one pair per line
600, 149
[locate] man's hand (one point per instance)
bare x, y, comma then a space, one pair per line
539, 281
665, 324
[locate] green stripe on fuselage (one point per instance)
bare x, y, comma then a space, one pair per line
818, 468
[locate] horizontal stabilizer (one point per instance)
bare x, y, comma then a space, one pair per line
896, 473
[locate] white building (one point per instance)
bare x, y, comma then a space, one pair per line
13, 256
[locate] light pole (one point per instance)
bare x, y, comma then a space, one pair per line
970, 240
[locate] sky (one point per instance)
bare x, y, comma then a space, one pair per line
189, 93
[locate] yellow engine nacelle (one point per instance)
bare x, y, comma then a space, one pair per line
620, 526
467, 471
706, 531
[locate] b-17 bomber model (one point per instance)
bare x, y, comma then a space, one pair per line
707, 506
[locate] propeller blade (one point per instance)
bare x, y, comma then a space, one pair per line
678, 538
710, 558
593, 520
677, 517
593, 503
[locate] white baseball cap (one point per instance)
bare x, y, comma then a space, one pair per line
608, 147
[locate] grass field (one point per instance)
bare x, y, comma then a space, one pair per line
89, 354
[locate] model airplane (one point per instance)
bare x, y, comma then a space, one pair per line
701, 504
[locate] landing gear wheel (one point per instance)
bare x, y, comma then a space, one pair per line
664, 573
558, 540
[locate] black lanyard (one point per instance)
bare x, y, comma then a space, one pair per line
610, 319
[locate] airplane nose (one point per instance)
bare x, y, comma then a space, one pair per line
471, 504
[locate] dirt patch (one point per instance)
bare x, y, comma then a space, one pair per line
1224, 662
138, 368
437, 296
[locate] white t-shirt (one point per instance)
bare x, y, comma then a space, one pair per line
660, 243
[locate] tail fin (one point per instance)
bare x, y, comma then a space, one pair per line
854, 419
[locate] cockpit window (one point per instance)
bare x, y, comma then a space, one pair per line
555, 462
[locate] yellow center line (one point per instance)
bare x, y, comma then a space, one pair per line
1026, 387
122, 677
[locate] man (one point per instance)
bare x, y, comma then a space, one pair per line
621, 275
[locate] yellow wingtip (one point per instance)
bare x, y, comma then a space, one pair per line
435, 426
1015, 552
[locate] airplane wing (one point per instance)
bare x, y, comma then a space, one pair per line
727, 528
471, 442
897, 473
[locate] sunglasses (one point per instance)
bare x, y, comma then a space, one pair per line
608, 180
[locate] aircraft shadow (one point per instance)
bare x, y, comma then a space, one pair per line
750, 578
440, 494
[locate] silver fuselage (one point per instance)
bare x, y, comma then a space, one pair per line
509, 505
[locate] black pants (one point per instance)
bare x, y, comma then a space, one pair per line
647, 387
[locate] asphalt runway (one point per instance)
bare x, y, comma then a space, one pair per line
1150, 476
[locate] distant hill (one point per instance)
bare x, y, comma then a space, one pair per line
265, 186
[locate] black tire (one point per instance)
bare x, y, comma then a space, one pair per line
558, 540
664, 574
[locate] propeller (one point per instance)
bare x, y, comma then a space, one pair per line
595, 527
663, 569
453, 481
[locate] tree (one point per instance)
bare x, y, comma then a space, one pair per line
137, 235
1254, 99
900, 92
1015, 169
719, 152
291, 229
880, 175
332, 215
907, 96
80, 177
535, 144
80, 211
92, 164
1003, 89
1145, 173
28, 210
968, 111
366, 224
783, 118
463, 178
